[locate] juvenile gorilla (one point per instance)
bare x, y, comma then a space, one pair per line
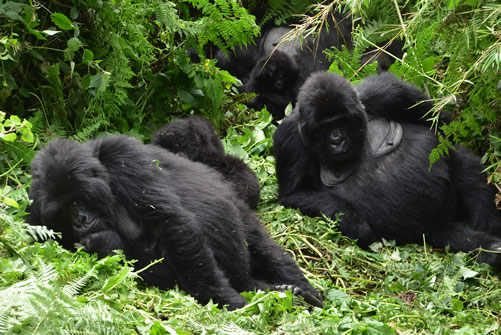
195, 138
116, 192
333, 155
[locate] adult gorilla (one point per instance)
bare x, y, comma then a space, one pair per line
284, 67
372, 165
116, 192
195, 138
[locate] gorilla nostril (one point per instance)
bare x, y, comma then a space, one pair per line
336, 138
81, 219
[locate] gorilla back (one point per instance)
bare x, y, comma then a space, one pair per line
119, 193
334, 156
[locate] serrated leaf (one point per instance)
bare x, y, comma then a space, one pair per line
73, 44
87, 57
61, 21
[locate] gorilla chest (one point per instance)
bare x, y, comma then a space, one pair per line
383, 137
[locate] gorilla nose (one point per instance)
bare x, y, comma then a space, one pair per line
255, 103
82, 219
336, 139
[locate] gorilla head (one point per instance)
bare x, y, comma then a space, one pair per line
335, 135
70, 190
194, 138
276, 80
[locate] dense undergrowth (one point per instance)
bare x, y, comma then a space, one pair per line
85, 68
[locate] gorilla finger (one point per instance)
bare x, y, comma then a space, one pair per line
78, 245
312, 300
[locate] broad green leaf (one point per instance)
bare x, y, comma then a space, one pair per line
87, 57
467, 273
9, 137
61, 21
10, 202
74, 44
28, 137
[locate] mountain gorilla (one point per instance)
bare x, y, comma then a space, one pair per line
363, 151
283, 67
116, 192
195, 138
275, 71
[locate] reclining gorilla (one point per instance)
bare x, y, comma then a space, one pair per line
363, 151
116, 192
195, 138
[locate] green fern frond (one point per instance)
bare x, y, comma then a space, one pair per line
74, 287
225, 23
40, 304
90, 130
41, 233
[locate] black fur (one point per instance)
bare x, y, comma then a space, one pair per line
283, 68
394, 196
384, 59
195, 138
116, 192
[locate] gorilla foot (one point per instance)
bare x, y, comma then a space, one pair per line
233, 302
491, 255
309, 297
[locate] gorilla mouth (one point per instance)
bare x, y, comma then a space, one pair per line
338, 148
331, 177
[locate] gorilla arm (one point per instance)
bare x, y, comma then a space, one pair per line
315, 203
387, 96
295, 170
300, 187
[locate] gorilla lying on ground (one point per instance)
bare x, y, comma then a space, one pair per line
195, 138
116, 192
365, 154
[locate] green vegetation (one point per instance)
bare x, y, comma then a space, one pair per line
87, 67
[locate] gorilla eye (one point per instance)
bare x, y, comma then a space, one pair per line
279, 84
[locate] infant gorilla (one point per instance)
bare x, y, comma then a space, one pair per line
116, 192
196, 139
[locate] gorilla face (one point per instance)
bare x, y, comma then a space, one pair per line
276, 80
73, 195
333, 126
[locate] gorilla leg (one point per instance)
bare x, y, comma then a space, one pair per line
464, 238
272, 267
477, 196
193, 261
